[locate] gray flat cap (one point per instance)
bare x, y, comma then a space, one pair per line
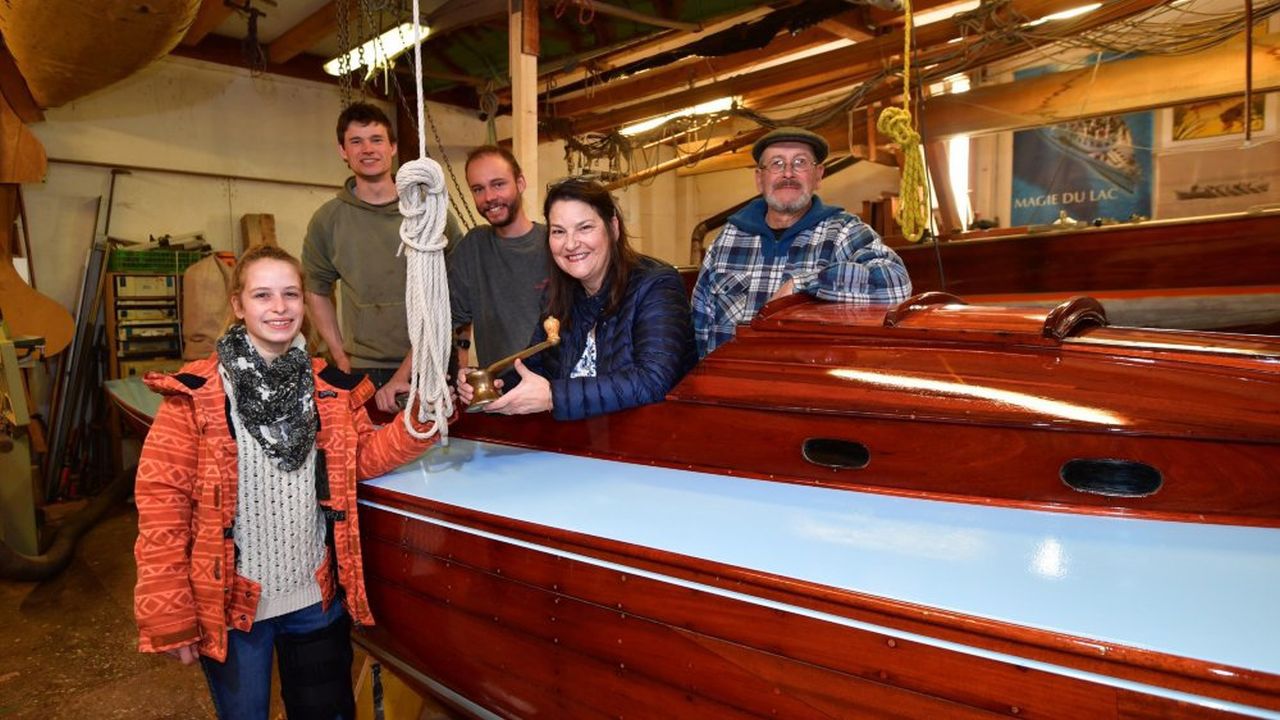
791, 134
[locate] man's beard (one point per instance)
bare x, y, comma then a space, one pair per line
513, 209
795, 206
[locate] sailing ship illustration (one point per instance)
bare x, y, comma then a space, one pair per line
1226, 189
1103, 144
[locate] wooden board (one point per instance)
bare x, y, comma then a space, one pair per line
27, 311
22, 157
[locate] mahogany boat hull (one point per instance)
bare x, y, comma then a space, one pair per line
541, 577
529, 598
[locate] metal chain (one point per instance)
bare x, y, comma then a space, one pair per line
455, 198
435, 132
344, 47
370, 30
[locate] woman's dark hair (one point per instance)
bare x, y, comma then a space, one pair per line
622, 258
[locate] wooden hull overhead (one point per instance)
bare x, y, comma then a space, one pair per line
65, 49
1212, 273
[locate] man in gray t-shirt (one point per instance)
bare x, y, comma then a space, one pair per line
497, 272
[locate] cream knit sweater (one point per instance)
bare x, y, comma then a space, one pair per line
279, 527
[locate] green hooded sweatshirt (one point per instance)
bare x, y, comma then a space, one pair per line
356, 242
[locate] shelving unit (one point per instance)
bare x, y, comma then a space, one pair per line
143, 323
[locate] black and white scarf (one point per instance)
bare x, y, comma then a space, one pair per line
276, 402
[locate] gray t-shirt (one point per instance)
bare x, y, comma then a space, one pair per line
496, 284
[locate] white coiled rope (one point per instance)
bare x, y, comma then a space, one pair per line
424, 204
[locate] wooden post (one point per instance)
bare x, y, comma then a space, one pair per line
873, 139
257, 229
522, 51
935, 155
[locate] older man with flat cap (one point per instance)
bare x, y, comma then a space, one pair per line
788, 241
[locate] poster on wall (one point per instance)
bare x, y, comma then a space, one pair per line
1206, 167
1213, 119
1218, 180
1096, 168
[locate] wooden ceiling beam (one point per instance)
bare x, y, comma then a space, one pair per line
729, 145
619, 92
846, 65
850, 25
227, 51
662, 42
292, 42
646, 19
457, 14
211, 14
781, 96
800, 91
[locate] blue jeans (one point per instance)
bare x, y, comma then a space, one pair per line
241, 686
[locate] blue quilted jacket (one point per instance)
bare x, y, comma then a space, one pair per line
642, 350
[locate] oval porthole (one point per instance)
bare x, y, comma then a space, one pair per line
1111, 477
839, 454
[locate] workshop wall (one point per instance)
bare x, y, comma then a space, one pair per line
256, 145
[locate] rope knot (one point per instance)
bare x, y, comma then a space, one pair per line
896, 123
423, 199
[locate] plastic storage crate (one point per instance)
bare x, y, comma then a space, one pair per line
171, 262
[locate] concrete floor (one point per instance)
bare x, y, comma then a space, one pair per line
68, 645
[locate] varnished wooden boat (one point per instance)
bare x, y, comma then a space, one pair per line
939, 510
1210, 273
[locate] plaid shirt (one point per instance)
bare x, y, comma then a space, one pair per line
828, 253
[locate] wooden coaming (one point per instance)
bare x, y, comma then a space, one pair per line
1221, 251
530, 633
973, 403
1191, 272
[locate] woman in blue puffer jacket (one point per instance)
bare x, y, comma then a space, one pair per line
626, 337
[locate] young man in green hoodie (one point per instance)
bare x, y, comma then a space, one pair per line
787, 241
353, 238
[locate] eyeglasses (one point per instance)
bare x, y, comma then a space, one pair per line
799, 165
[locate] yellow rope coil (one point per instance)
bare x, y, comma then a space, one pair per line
913, 209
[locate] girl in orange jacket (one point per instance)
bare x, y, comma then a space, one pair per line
248, 541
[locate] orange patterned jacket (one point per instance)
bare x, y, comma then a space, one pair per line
188, 590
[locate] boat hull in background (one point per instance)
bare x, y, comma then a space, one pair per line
1211, 273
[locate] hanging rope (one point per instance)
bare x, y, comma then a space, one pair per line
913, 213
489, 108
424, 202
